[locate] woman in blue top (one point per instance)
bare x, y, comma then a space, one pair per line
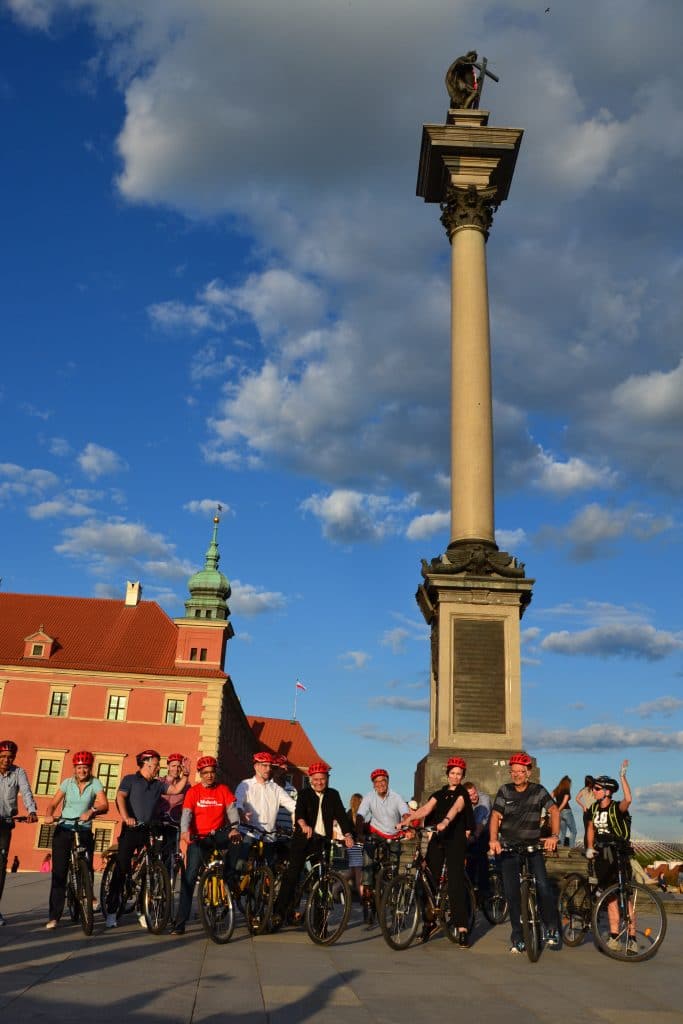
83, 798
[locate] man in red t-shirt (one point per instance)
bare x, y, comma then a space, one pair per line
209, 809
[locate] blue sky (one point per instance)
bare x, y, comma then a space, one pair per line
219, 286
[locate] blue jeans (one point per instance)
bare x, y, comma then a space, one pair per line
509, 866
567, 827
198, 853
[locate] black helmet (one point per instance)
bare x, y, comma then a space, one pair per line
611, 785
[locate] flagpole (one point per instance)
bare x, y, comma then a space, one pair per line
296, 694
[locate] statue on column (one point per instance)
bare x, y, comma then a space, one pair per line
463, 83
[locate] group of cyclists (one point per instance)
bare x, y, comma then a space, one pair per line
465, 829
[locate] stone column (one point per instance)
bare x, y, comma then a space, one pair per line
473, 595
467, 218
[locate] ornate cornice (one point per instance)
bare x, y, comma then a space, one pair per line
472, 559
469, 207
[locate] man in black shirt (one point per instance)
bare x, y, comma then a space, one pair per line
516, 818
317, 808
137, 802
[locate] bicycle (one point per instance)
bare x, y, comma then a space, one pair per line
642, 919
532, 928
175, 867
493, 902
146, 886
384, 866
214, 899
416, 894
79, 890
329, 900
257, 886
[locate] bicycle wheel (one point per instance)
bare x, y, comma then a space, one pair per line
108, 882
156, 897
399, 912
175, 882
641, 923
531, 924
84, 897
216, 910
575, 909
258, 900
72, 895
328, 909
495, 904
445, 908
385, 875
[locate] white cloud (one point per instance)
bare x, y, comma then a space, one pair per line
664, 706
400, 703
350, 516
60, 506
371, 732
652, 398
510, 540
179, 316
660, 798
616, 641
601, 736
424, 526
248, 599
594, 529
18, 482
355, 659
59, 446
207, 506
563, 478
96, 461
114, 540
395, 639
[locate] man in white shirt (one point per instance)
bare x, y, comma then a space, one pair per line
258, 801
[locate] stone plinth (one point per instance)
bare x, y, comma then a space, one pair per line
475, 707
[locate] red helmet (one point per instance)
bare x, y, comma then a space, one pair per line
206, 762
280, 761
521, 758
175, 757
145, 755
263, 757
319, 768
456, 762
10, 746
83, 757
379, 773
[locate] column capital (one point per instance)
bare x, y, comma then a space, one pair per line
469, 207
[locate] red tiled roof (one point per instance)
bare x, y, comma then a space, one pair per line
93, 634
282, 736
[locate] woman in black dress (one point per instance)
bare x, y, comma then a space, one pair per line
449, 810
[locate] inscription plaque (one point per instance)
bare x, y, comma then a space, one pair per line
478, 676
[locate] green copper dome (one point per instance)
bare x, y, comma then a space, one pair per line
209, 588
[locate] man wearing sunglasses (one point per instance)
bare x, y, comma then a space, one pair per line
609, 822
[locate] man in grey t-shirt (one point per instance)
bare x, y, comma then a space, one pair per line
516, 819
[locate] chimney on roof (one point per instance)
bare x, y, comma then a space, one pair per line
133, 593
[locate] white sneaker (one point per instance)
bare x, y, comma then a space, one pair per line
51, 924
110, 921
2, 921
142, 921
614, 943
633, 948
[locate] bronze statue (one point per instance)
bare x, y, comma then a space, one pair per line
463, 83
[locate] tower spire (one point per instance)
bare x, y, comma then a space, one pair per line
209, 588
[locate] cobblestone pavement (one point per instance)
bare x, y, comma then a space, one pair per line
128, 975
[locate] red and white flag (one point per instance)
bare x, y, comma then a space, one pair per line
300, 685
